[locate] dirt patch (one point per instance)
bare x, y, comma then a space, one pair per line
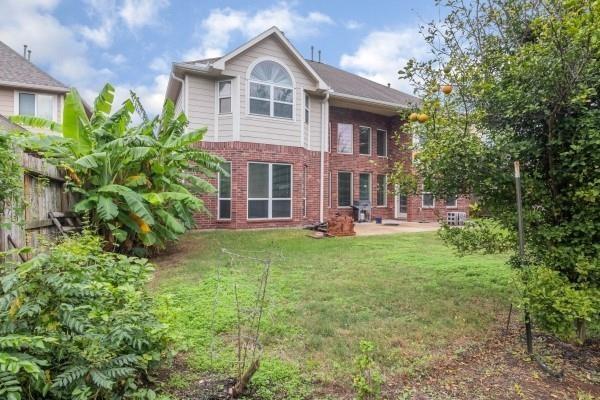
499, 368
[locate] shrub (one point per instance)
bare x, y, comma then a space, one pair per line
368, 380
137, 183
76, 323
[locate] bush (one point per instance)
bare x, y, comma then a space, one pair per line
76, 323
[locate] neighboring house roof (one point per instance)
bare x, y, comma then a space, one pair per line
7, 125
354, 86
16, 71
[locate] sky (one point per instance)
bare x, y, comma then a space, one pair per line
132, 43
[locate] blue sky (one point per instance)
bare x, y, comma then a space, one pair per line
131, 43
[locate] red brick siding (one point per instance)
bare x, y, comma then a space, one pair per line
239, 154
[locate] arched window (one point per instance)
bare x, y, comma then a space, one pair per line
271, 90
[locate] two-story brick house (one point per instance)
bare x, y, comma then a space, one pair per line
303, 140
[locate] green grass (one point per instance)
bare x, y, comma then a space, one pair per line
407, 293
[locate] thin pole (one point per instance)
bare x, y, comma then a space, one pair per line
528, 333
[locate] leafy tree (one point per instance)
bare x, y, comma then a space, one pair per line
11, 180
524, 77
137, 183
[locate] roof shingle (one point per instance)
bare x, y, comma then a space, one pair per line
344, 82
15, 69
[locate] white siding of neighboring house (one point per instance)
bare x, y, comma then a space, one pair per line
314, 141
201, 105
7, 102
179, 103
262, 129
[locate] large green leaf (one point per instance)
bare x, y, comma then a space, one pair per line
107, 210
89, 161
75, 123
171, 222
134, 200
103, 105
36, 122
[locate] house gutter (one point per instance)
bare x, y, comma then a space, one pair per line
183, 89
324, 133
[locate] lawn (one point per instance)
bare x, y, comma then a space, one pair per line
407, 293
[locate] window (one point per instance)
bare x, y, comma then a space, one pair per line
364, 140
224, 201
269, 191
306, 108
271, 91
451, 201
344, 189
381, 143
427, 200
381, 190
36, 105
364, 186
344, 138
224, 97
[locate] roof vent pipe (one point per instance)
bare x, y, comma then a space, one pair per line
24, 51
28, 55
389, 84
312, 53
319, 55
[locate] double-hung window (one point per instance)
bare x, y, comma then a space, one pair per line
381, 190
36, 105
382, 143
451, 201
269, 190
344, 138
271, 91
306, 108
224, 97
427, 200
364, 185
364, 140
224, 201
344, 189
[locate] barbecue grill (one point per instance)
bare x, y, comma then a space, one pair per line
362, 210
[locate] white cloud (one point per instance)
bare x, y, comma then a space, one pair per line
382, 53
139, 13
160, 64
64, 55
352, 24
217, 29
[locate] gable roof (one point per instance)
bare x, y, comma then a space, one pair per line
16, 71
354, 86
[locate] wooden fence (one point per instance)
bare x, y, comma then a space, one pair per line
43, 186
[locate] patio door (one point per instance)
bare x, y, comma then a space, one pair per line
401, 206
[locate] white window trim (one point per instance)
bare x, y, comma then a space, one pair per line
270, 198
370, 199
219, 198
453, 206
271, 101
337, 144
370, 141
385, 185
386, 142
422, 198
218, 97
351, 188
35, 105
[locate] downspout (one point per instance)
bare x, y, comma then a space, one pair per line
182, 92
324, 134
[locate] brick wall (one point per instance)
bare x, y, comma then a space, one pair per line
239, 154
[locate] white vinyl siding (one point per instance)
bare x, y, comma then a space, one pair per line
201, 106
7, 102
262, 129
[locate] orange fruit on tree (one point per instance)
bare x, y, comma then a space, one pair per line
423, 118
413, 117
447, 89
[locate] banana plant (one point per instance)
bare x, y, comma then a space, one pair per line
137, 183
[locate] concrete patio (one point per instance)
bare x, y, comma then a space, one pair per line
390, 226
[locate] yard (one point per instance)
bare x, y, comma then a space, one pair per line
425, 309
